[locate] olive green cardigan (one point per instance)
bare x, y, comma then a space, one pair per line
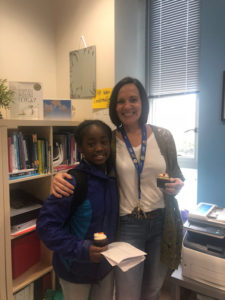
173, 227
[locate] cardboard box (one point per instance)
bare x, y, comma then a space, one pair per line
25, 253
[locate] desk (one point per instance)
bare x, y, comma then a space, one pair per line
183, 282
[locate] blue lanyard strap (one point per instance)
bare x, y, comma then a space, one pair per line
138, 165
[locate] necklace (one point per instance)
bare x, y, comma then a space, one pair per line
138, 165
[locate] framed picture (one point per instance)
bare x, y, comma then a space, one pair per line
56, 109
27, 99
223, 98
83, 73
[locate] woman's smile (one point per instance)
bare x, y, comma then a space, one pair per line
129, 105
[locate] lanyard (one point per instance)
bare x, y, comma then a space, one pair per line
139, 166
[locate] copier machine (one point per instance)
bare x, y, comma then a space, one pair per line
203, 249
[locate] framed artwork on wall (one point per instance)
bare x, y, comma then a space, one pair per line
27, 99
56, 109
223, 99
83, 73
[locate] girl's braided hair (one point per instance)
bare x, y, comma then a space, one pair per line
79, 133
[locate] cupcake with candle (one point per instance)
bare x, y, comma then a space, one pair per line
100, 239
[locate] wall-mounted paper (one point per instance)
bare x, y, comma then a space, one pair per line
83, 73
56, 109
101, 99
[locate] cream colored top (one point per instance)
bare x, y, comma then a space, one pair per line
151, 196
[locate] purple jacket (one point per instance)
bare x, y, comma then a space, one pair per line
71, 236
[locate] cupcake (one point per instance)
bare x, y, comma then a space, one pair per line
100, 239
162, 179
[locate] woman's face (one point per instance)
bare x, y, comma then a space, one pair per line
129, 105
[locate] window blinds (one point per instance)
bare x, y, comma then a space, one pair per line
173, 47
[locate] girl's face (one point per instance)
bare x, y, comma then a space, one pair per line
95, 146
129, 105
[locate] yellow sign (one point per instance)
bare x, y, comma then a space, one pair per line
101, 99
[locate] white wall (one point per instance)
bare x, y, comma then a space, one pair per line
95, 21
27, 34
37, 36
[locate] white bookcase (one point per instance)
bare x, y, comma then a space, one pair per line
38, 185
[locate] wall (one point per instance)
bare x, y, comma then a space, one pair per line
38, 36
211, 150
95, 21
27, 52
130, 39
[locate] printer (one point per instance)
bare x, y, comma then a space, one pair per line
203, 249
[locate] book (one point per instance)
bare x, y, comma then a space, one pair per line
23, 172
21, 151
13, 155
60, 148
40, 156
35, 161
27, 141
43, 152
44, 156
27, 99
124, 255
10, 163
16, 156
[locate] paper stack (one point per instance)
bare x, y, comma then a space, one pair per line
123, 255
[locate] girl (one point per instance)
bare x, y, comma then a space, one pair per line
82, 270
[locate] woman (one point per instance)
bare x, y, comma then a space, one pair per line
149, 216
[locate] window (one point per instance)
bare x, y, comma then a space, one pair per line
178, 114
164, 113
172, 80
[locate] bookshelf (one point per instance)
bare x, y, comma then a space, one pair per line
37, 184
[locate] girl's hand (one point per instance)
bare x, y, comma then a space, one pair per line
174, 186
60, 186
95, 253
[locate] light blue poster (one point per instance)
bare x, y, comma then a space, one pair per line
57, 109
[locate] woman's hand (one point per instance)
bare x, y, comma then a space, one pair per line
174, 186
95, 253
60, 186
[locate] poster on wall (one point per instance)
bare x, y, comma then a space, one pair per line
83, 73
56, 109
27, 100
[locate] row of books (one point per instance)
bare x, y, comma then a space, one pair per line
65, 152
28, 155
